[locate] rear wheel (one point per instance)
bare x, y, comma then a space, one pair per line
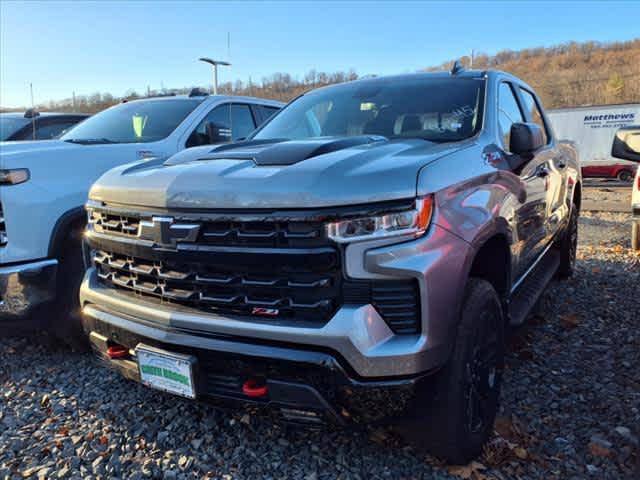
568, 246
625, 176
456, 422
635, 235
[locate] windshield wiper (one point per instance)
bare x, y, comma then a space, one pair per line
89, 141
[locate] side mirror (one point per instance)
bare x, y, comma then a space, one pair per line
525, 139
218, 133
626, 144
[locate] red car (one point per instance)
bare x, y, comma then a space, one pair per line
622, 171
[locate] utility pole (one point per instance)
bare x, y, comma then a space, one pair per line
73, 96
471, 66
214, 64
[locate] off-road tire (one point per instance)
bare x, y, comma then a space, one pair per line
635, 235
458, 419
67, 324
568, 246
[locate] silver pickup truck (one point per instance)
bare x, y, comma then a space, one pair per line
357, 259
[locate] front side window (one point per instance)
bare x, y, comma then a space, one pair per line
52, 130
508, 112
133, 122
434, 109
236, 118
531, 107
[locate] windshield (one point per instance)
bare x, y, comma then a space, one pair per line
435, 109
10, 125
133, 122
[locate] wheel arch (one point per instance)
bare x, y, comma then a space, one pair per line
492, 262
63, 226
577, 195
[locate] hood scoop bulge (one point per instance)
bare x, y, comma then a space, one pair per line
288, 152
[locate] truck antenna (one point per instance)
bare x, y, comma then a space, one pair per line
33, 117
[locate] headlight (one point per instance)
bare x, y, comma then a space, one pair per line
407, 223
14, 177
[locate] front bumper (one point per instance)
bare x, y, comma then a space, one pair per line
356, 333
25, 286
304, 387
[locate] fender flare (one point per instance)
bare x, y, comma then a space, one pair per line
62, 227
496, 227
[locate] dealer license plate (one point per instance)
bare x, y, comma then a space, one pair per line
171, 372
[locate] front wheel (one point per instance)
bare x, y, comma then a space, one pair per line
568, 246
635, 235
67, 324
458, 419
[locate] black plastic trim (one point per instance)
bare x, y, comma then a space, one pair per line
270, 349
247, 215
62, 227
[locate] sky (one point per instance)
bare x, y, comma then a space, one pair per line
114, 46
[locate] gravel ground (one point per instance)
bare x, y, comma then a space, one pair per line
607, 198
570, 405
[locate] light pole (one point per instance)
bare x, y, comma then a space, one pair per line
214, 64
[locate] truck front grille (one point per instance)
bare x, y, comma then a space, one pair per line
272, 234
307, 294
275, 270
104, 222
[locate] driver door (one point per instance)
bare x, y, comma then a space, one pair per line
528, 217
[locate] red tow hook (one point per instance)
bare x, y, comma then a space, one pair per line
117, 351
254, 388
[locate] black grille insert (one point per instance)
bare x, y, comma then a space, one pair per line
283, 291
104, 222
264, 234
397, 302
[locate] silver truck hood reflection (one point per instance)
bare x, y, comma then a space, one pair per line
233, 177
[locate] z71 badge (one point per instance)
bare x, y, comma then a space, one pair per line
265, 312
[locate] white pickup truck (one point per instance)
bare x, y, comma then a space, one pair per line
44, 185
626, 146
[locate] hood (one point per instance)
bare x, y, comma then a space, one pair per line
41, 153
276, 174
31, 146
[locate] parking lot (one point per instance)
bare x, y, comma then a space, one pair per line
570, 404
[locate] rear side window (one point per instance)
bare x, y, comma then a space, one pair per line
268, 112
508, 112
532, 109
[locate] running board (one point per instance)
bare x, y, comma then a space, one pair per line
527, 294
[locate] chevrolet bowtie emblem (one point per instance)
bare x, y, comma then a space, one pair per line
163, 231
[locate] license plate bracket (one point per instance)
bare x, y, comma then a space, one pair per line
167, 371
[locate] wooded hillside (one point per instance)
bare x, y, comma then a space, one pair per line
572, 74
